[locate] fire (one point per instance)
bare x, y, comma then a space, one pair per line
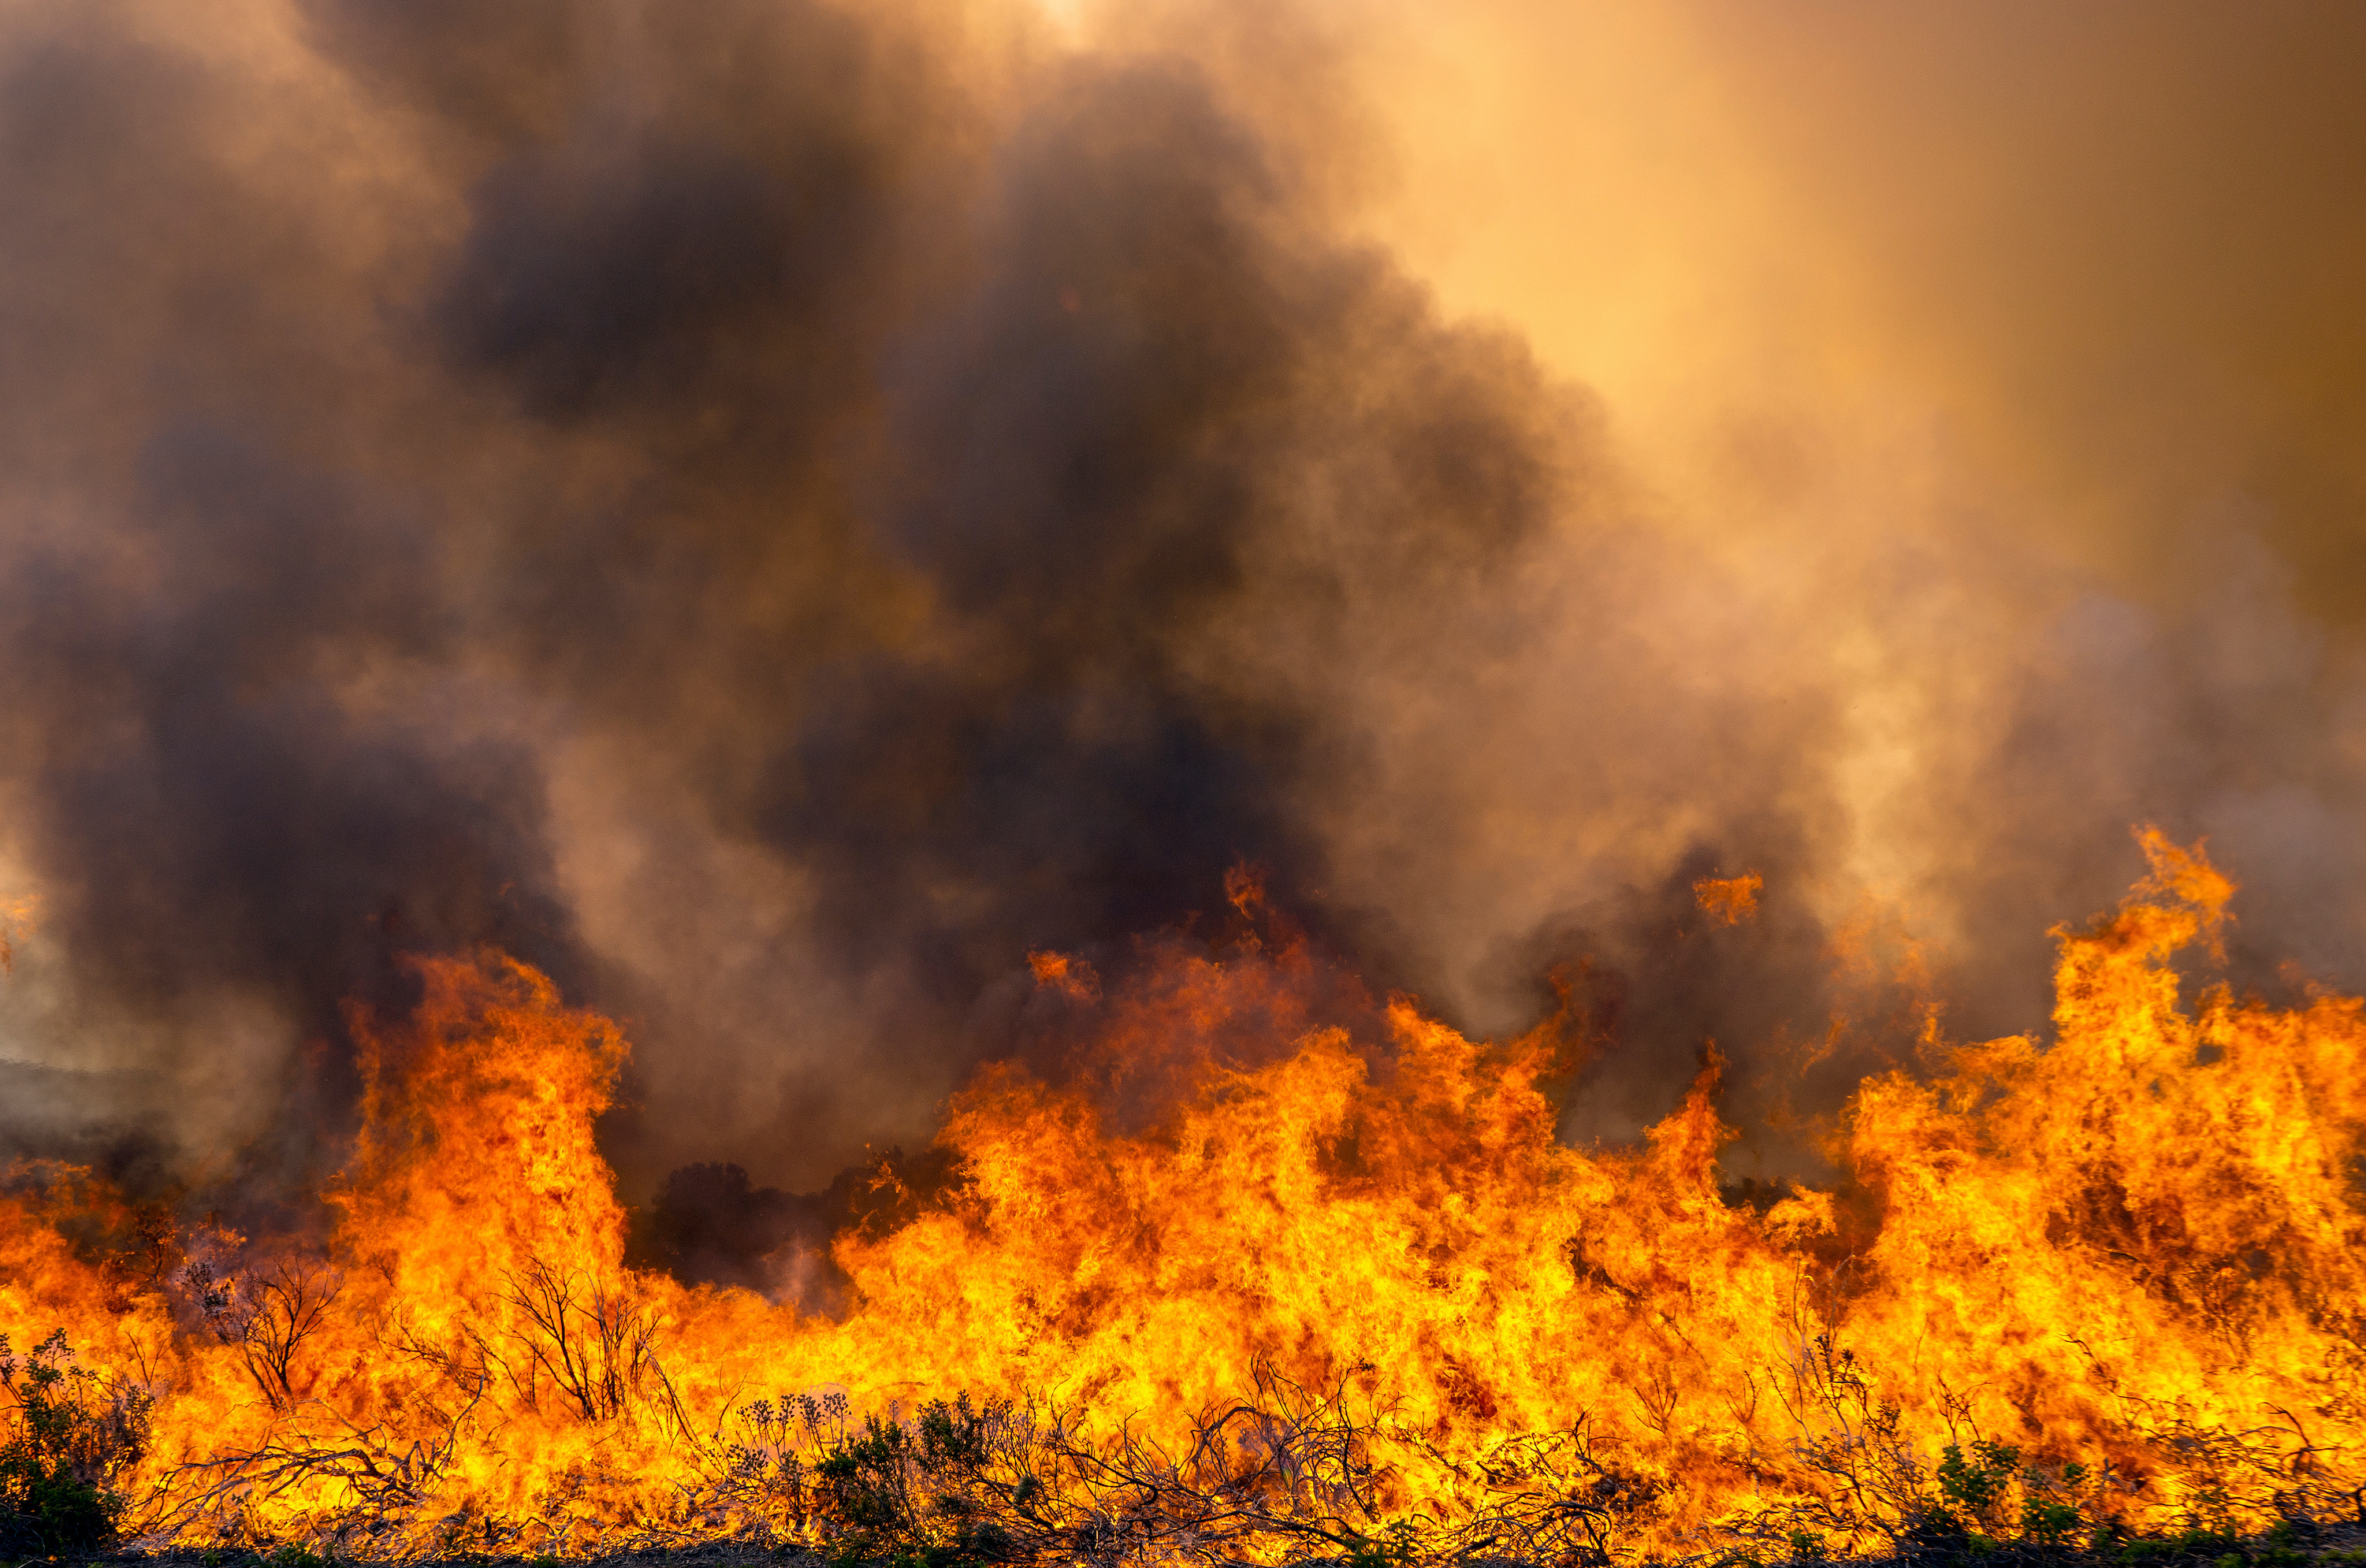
1320, 1295
1731, 899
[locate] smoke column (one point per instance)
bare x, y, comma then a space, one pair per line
774, 512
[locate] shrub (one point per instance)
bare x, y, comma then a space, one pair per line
70, 1437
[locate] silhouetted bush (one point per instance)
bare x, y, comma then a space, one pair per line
69, 1434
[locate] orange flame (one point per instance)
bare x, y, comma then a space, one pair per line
1355, 1290
1731, 900
19, 919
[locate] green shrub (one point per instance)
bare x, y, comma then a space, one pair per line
1974, 1487
915, 1496
69, 1438
1395, 1547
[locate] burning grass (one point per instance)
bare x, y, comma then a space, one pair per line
2099, 1301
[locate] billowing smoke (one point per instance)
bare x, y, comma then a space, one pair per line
775, 511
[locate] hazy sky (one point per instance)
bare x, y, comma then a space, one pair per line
2106, 257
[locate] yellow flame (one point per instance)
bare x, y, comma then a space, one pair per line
2133, 1257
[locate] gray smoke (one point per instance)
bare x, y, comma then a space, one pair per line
772, 512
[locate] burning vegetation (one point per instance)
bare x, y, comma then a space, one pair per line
1341, 1299
789, 533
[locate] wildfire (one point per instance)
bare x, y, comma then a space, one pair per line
1338, 1299
1730, 898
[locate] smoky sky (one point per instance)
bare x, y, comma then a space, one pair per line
774, 512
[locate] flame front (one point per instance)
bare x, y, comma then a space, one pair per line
1341, 1298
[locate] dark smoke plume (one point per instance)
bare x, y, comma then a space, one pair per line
721, 405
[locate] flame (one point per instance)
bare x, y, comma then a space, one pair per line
1352, 1290
1731, 900
19, 918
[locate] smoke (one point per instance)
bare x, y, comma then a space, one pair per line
2004, 355
774, 512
